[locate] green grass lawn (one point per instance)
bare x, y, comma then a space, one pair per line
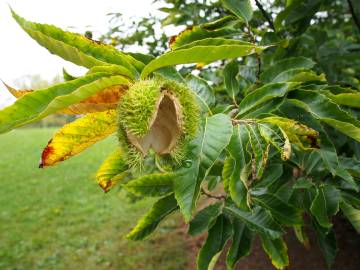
58, 218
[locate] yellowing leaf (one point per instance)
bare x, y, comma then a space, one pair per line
111, 171
297, 133
104, 100
277, 137
75, 137
17, 93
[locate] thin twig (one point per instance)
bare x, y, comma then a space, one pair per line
259, 66
258, 58
243, 122
353, 14
266, 15
217, 197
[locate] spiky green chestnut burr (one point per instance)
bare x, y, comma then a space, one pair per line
157, 114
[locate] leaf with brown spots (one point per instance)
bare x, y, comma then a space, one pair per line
75, 137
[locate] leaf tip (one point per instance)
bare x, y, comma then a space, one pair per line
45, 155
106, 185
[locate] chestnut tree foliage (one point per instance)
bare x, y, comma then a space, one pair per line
247, 123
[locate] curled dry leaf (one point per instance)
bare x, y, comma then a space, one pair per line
165, 127
104, 100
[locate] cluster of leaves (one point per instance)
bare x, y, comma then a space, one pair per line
324, 30
278, 140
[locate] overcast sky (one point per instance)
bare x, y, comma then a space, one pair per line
20, 55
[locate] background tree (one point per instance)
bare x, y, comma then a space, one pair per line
329, 33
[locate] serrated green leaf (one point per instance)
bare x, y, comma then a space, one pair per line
240, 245
285, 213
325, 110
258, 220
278, 138
260, 149
151, 185
111, 69
77, 48
206, 148
67, 76
203, 92
352, 165
170, 73
219, 42
327, 243
227, 172
226, 26
276, 249
268, 107
325, 204
351, 198
289, 63
237, 180
147, 224
204, 219
345, 175
297, 15
215, 242
241, 8
232, 85
352, 214
38, 104
327, 151
112, 170
272, 173
200, 54
264, 94
298, 75
303, 183
346, 99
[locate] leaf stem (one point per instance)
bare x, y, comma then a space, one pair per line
258, 58
209, 195
243, 122
266, 15
158, 165
353, 14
